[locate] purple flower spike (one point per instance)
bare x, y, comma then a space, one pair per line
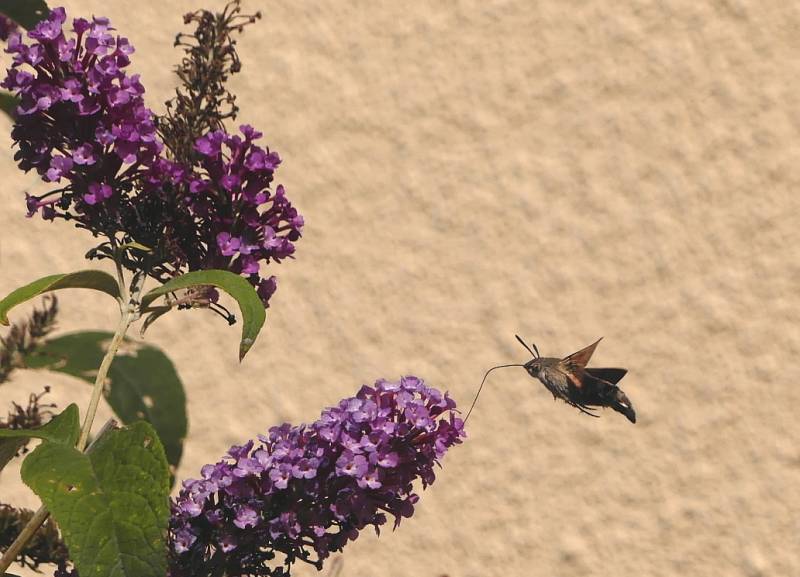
83, 126
232, 211
78, 89
312, 493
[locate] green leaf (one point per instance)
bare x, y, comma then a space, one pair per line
26, 13
155, 314
143, 382
8, 450
8, 104
63, 429
111, 504
90, 279
253, 313
136, 245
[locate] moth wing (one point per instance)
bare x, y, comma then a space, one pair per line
595, 391
598, 392
575, 364
612, 375
581, 358
575, 375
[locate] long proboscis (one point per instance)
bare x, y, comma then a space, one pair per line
480, 388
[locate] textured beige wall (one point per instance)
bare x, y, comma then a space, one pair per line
473, 169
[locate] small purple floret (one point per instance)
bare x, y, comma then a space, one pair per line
245, 517
97, 193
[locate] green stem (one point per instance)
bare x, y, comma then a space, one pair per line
130, 312
22, 539
124, 322
121, 280
123, 288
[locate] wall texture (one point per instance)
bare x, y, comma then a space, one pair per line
468, 170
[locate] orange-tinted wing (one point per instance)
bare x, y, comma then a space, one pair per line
575, 363
581, 358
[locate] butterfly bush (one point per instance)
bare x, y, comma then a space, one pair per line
230, 218
81, 122
303, 492
83, 126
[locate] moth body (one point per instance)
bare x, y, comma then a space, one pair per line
546, 370
570, 380
585, 388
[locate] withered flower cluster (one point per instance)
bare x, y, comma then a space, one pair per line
46, 545
25, 336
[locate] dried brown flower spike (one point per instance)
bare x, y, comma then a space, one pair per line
202, 102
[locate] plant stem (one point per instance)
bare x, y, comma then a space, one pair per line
130, 312
124, 322
121, 280
39, 517
22, 539
123, 288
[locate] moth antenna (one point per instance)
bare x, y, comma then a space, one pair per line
480, 388
535, 349
535, 356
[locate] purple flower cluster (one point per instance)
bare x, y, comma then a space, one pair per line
306, 491
239, 221
83, 126
81, 118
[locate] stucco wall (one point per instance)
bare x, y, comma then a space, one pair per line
469, 170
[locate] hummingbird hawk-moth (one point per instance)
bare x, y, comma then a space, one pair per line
570, 380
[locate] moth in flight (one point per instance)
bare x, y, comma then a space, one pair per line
570, 380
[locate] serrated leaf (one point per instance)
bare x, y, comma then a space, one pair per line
111, 504
64, 428
253, 313
89, 279
26, 13
8, 104
143, 382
